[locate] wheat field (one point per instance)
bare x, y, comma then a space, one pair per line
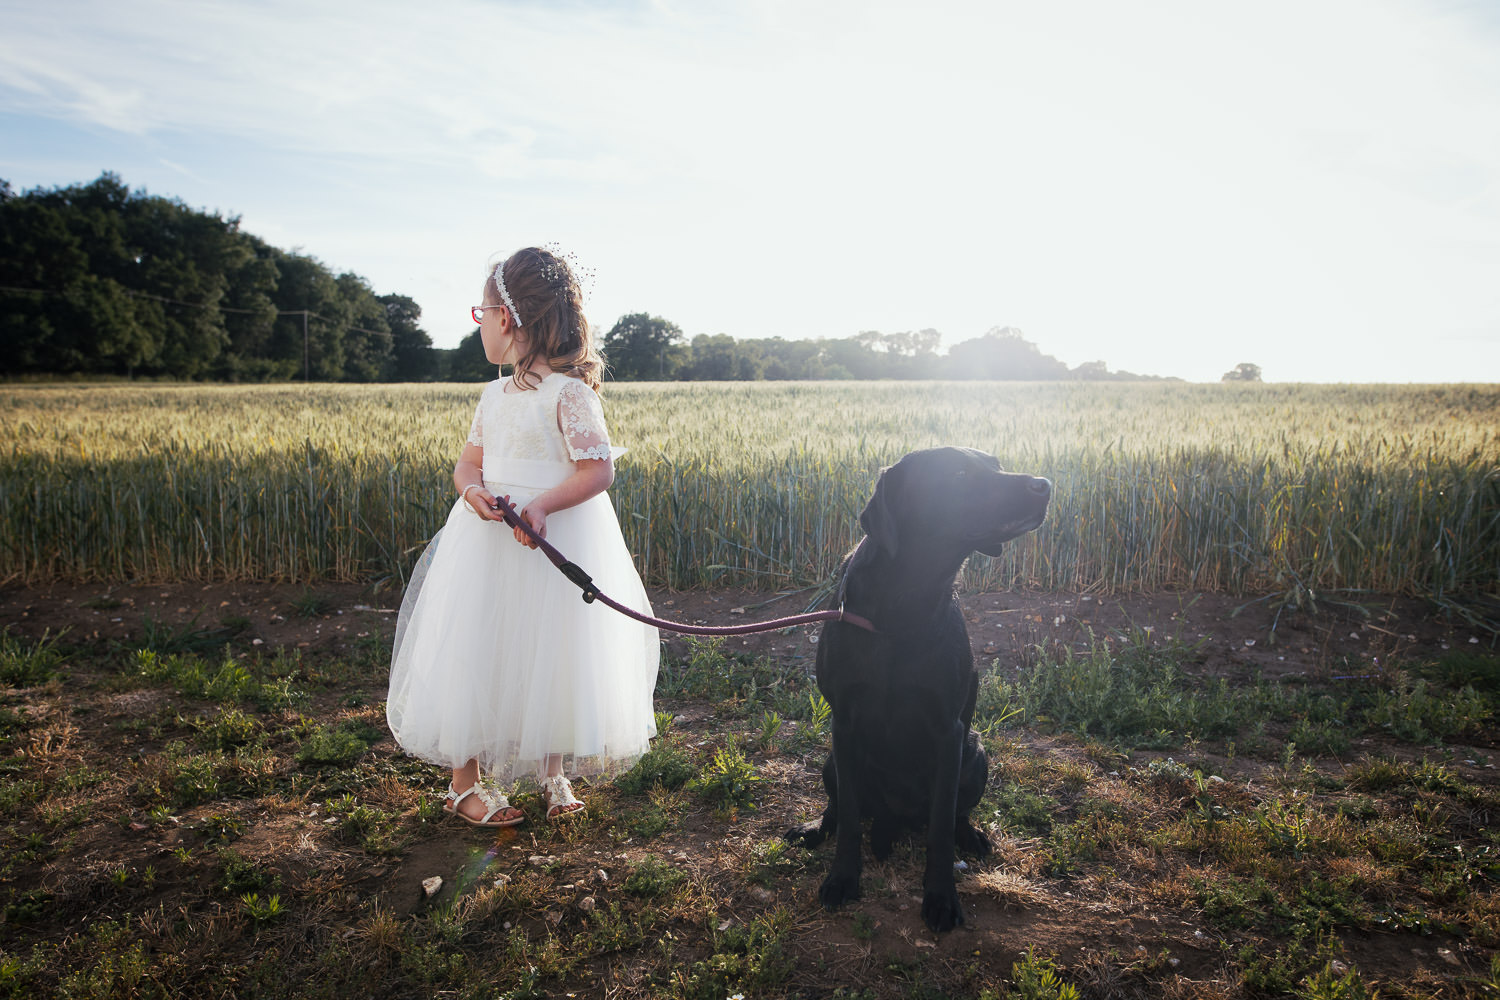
1242, 488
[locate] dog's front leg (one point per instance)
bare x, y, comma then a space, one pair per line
842, 883
940, 906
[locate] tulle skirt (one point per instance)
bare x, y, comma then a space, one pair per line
498, 659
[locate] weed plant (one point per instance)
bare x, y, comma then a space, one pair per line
26, 664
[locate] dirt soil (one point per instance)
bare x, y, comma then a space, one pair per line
1240, 636
1008, 909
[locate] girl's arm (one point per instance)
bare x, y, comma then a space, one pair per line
581, 421
468, 472
591, 477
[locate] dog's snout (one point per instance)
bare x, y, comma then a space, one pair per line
1041, 487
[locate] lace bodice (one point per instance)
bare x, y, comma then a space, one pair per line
559, 421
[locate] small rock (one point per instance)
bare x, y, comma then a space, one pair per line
762, 894
432, 885
603, 875
1448, 956
1337, 968
502, 881
586, 904
736, 611
554, 917
960, 866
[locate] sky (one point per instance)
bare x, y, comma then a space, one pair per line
1170, 187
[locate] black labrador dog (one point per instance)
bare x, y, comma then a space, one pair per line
903, 696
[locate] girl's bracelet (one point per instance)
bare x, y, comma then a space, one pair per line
465, 494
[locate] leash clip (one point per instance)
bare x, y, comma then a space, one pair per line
584, 582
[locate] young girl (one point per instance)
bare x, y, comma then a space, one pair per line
498, 662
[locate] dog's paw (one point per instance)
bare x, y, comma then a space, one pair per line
838, 889
942, 910
970, 840
807, 835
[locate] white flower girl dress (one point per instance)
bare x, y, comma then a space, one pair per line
497, 657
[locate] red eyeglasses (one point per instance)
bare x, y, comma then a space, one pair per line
478, 312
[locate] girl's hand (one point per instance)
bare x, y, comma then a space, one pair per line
483, 502
537, 518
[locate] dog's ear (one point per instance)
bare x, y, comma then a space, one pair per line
877, 518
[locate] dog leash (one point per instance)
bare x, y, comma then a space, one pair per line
592, 593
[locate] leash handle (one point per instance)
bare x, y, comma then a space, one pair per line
591, 593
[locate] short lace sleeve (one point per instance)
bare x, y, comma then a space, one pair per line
476, 429
582, 421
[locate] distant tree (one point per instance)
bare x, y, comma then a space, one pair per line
466, 362
1003, 353
367, 341
719, 358
412, 358
100, 279
1243, 372
644, 347
1091, 371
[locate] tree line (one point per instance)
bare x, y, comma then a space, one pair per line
645, 347
99, 280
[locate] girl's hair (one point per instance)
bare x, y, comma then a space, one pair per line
545, 292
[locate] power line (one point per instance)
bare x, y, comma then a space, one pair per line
195, 305
306, 314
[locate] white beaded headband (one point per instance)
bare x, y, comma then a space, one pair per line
500, 284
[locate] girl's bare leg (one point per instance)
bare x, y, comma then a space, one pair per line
552, 766
467, 777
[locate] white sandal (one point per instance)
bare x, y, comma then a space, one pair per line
557, 793
497, 802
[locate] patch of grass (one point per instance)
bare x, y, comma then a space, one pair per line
1134, 695
1329, 983
165, 639
338, 745
229, 729
668, 764
311, 604
239, 876
27, 664
1021, 810
1036, 978
1412, 712
1462, 669
653, 878
262, 909
729, 782
771, 860
1320, 738
230, 682
750, 958
374, 830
